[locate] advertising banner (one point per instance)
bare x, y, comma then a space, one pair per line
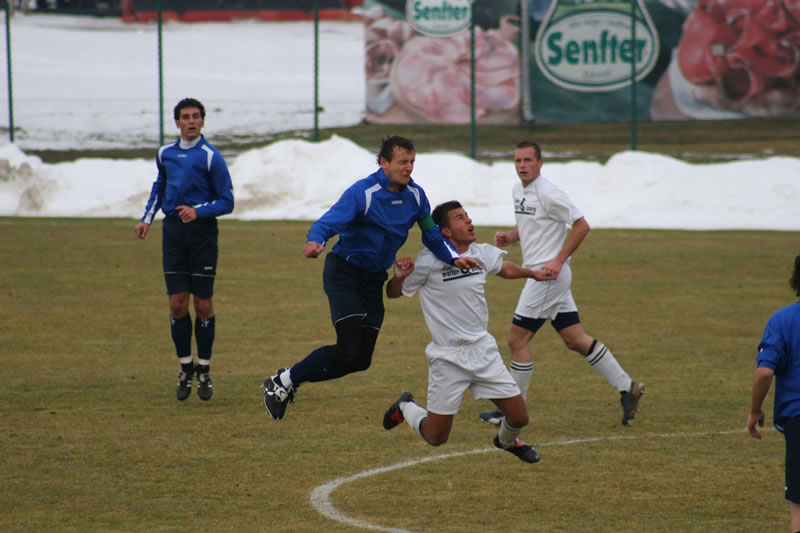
552, 61
706, 59
419, 61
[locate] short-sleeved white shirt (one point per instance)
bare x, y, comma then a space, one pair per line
453, 300
543, 213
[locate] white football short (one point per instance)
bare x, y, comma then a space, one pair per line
477, 366
546, 299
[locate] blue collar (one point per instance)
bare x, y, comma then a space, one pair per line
380, 175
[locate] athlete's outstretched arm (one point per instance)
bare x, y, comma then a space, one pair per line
511, 270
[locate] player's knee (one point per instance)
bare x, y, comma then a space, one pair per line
515, 342
437, 438
353, 357
179, 305
343, 357
575, 346
434, 434
346, 350
363, 359
510, 341
203, 307
437, 441
583, 344
362, 363
518, 420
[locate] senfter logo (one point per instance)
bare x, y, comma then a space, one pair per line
439, 17
583, 47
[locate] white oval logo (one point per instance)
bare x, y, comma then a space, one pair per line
439, 17
592, 50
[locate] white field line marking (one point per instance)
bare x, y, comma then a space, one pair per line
320, 496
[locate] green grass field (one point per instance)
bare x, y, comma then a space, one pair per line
93, 438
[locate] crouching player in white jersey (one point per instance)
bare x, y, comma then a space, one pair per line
462, 353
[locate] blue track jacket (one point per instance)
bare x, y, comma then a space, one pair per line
373, 223
780, 350
197, 177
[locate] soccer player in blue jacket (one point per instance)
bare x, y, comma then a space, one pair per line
779, 356
193, 188
372, 218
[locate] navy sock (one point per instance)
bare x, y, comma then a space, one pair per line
204, 334
181, 330
317, 366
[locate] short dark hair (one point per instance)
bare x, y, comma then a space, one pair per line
441, 214
189, 102
388, 144
530, 144
794, 281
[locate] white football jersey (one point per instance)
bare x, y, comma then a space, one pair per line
453, 300
543, 213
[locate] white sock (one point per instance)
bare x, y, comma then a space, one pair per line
507, 434
185, 360
604, 362
286, 378
414, 415
522, 372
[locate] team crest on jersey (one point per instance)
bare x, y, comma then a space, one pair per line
450, 272
521, 209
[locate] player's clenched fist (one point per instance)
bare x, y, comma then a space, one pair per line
403, 267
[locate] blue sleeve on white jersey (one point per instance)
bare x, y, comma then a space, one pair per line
433, 239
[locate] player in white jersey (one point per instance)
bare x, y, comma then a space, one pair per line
462, 354
543, 213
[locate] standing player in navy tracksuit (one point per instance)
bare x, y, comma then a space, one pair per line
372, 219
193, 188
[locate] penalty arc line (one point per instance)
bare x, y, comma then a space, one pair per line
320, 496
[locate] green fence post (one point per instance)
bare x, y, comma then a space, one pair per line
160, 79
8, 62
316, 70
472, 129
633, 76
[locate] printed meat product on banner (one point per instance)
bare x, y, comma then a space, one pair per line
418, 62
743, 55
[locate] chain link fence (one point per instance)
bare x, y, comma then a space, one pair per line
92, 83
